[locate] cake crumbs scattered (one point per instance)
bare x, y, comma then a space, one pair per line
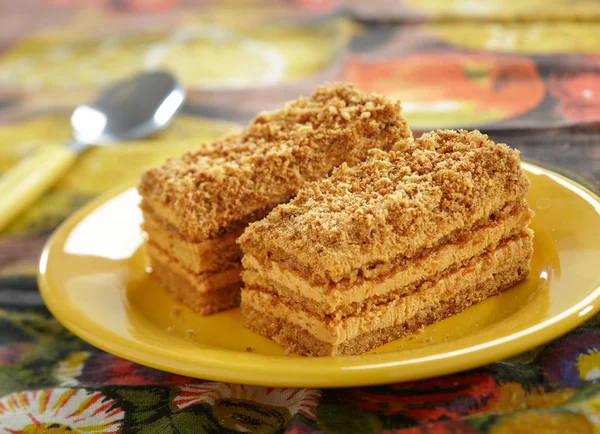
249, 349
175, 311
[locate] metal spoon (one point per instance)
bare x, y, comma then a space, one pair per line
133, 108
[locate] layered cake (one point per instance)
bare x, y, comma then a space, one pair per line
195, 206
381, 249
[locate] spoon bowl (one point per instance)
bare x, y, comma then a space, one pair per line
134, 108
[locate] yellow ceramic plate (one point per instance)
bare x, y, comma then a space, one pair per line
93, 278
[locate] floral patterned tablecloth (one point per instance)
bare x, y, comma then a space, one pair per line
527, 73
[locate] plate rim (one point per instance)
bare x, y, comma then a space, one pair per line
384, 369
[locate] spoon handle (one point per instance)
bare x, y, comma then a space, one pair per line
30, 178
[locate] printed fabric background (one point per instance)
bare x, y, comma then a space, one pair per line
527, 73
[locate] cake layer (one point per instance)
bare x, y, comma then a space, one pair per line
207, 190
163, 215
402, 275
392, 205
211, 255
207, 282
202, 302
289, 324
299, 341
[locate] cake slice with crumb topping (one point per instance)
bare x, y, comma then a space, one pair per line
196, 206
388, 246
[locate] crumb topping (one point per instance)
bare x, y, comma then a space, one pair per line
395, 203
270, 160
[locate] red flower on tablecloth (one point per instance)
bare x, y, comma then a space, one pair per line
317, 5
446, 398
136, 5
250, 408
445, 89
10, 355
578, 95
59, 410
300, 427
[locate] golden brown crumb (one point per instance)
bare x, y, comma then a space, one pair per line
391, 205
190, 333
249, 349
208, 189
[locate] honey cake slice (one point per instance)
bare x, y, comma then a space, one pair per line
195, 206
388, 246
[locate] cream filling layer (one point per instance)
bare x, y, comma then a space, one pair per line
396, 312
202, 282
332, 297
198, 257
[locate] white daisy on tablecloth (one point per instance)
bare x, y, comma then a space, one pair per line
70, 368
59, 410
303, 401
